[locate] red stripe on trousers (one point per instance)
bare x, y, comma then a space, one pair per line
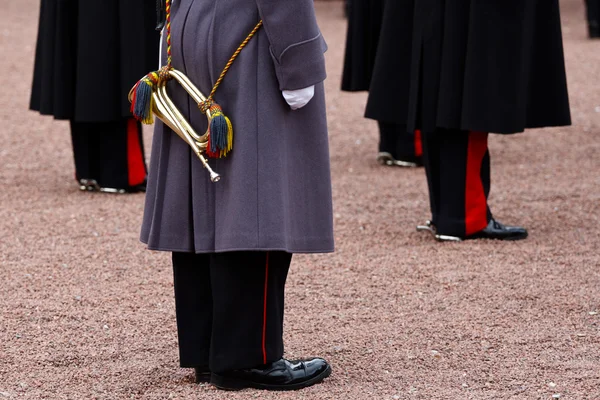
418, 144
264, 332
475, 200
135, 160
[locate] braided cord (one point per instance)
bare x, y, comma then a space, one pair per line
169, 55
209, 101
231, 60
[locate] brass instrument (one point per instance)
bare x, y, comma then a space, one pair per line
149, 97
164, 108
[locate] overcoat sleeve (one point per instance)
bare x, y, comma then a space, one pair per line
296, 43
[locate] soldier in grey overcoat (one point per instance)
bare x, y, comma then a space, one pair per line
232, 241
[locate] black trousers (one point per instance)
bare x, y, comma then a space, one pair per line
112, 153
229, 308
593, 16
402, 145
457, 164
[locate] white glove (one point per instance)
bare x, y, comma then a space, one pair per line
298, 98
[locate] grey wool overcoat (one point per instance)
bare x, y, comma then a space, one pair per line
275, 191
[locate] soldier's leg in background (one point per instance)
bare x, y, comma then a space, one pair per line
400, 144
593, 17
463, 208
431, 161
248, 304
84, 141
121, 155
387, 138
193, 307
405, 145
486, 180
418, 144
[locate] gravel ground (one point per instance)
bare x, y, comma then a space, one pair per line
87, 313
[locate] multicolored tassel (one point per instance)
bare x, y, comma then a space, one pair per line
220, 139
142, 101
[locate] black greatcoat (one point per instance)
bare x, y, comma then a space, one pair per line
492, 66
364, 24
89, 54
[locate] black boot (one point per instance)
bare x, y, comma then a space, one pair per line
280, 375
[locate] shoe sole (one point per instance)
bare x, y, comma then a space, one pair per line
203, 377
232, 384
387, 160
504, 239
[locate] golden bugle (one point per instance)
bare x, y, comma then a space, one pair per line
164, 108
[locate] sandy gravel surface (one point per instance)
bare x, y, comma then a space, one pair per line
87, 313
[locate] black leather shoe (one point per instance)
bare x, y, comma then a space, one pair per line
498, 231
202, 374
280, 375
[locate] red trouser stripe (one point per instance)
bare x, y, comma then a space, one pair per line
135, 160
264, 332
418, 144
475, 200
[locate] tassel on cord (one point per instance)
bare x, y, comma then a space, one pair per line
220, 139
142, 101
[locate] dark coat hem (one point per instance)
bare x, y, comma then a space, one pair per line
498, 131
234, 249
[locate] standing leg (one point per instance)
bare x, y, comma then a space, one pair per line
486, 180
454, 162
247, 337
397, 146
458, 170
387, 138
121, 155
85, 153
248, 300
418, 145
593, 16
463, 202
109, 156
431, 161
406, 148
193, 307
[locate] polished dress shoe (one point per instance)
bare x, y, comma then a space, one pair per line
202, 374
279, 375
496, 230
